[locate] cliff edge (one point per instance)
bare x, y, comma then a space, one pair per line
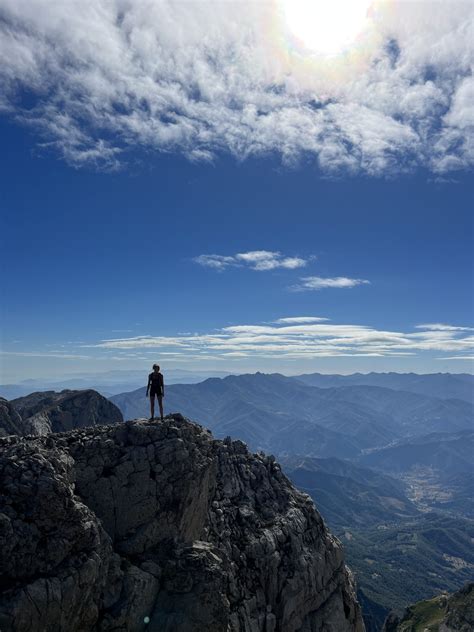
157, 526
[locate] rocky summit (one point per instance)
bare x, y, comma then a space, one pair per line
49, 411
157, 526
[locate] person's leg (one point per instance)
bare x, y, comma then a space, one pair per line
160, 402
152, 406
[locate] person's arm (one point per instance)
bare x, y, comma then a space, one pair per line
162, 387
148, 386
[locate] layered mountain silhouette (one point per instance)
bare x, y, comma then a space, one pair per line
107, 383
449, 453
285, 415
440, 385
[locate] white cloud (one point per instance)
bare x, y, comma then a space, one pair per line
96, 78
219, 262
300, 338
260, 260
471, 358
442, 327
296, 320
39, 354
320, 283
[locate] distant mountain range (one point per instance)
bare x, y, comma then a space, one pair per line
287, 416
107, 383
440, 385
451, 453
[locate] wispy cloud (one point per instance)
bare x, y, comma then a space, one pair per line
298, 320
443, 327
40, 354
321, 283
293, 338
471, 358
218, 262
260, 260
96, 78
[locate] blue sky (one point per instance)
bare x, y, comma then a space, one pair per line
94, 256
128, 252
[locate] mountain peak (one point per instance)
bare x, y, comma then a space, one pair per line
49, 411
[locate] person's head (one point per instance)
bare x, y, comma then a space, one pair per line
156, 368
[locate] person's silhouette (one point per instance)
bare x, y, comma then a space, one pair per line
155, 387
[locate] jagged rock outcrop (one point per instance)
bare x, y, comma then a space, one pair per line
158, 526
444, 613
48, 411
10, 420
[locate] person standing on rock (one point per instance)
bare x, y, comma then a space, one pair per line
155, 387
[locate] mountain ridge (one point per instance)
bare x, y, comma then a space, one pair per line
48, 411
364, 416
441, 385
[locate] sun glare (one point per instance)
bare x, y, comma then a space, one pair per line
327, 27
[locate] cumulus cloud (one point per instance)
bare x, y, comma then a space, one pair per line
320, 283
260, 260
299, 338
96, 78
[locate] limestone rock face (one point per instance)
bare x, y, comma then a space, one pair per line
48, 411
157, 526
10, 420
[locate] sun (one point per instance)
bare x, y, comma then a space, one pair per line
327, 27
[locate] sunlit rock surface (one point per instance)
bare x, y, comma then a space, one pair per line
48, 411
158, 526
